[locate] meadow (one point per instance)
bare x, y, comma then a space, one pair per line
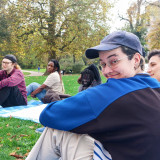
17, 137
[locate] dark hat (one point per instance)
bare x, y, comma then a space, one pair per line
115, 40
10, 57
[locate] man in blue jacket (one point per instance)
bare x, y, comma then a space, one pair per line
123, 113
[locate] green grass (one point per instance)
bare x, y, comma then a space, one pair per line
38, 79
26, 73
16, 137
19, 136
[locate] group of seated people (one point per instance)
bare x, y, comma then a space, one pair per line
122, 114
15, 93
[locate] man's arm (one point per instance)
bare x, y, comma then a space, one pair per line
67, 114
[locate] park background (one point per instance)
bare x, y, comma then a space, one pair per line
36, 31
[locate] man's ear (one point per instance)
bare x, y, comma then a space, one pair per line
137, 58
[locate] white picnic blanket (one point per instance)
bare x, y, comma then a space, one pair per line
28, 112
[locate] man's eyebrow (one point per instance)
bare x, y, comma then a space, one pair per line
109, 56
112, 55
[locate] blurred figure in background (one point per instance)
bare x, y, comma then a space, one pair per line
39, 68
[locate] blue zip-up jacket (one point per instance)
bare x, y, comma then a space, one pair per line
123, 114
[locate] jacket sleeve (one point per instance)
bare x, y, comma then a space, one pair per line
67, 114
13, 80
1, 74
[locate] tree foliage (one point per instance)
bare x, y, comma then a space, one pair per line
137, 20
54, 28
153, 35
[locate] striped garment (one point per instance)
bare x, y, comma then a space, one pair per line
100, 153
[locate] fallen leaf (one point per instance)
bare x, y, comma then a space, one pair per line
31, 127
15, 155
23, 135
13, 136
26, 154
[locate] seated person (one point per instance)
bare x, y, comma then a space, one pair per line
52, 85
154, 64
123, 113
90, 77
12, 84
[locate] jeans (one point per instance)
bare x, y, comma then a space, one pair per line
33, 86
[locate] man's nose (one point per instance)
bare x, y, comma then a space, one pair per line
149, 70
106, 69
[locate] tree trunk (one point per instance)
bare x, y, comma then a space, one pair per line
74, 59
51, 55
84, 60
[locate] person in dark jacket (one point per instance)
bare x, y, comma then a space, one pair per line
123, 114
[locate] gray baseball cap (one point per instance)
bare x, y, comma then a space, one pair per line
113, 41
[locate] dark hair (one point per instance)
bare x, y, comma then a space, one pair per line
88, 72
95, 70
130, 53
154, 53
56, 65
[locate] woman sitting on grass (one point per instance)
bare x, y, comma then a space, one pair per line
53, 83
12, 83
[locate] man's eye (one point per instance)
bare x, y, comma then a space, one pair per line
114, 61
103, 65
153, 65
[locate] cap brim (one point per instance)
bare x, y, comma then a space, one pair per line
94, 51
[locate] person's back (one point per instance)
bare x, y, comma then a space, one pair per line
123, 113
131, 126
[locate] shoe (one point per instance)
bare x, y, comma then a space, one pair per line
40, 130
